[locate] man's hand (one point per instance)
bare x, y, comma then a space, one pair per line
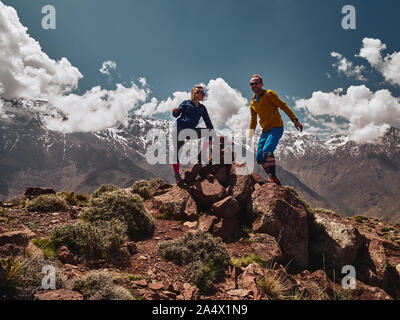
298, 126
174, 110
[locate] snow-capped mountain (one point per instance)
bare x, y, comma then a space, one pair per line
334, 172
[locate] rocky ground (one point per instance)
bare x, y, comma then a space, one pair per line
297, 252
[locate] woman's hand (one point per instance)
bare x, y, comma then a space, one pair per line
174, 110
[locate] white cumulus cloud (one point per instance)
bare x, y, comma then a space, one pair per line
346, 67
388, 66
25, 70
107, 66
369, 114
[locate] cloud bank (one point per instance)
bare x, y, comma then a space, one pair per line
389, 66
25, 70
369, 114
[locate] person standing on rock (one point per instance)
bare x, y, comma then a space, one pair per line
265, 104
189, 113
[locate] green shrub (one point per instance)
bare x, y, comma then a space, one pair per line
128, 208
204, 256
47, 203
166, 212
99, 285
249, 259
73, 198
141, 187
47, 246
91, 240
155, 183
24, 277
275, 286
104, 188
360, 219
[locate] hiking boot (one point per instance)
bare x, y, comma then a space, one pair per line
271, 179
274, 179
179, 180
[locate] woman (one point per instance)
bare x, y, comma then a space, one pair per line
189, 113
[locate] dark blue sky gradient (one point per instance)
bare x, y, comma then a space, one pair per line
178, 43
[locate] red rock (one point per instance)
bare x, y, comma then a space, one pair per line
10, 249
267, 248
176, 199
32, 192
60, 294
65, 256
377, 262
132, 247
276, 211
334, 240
156, 286
366, 292
248, 279
226, 208
169, 295
227, 228
242, 293
190, 292
240, 186
222, 176
206, 192
161, 189
191, 210
190, 175
316, 286
207, 222
19, 238
141, 283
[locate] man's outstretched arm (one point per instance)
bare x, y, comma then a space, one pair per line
281, 104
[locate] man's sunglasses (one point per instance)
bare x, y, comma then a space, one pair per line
254, 83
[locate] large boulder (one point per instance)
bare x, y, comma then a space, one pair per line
227, 228
189, 175
377, 264
366, 292
334, 242
33, 192
278, 212
248, 279
179, 202
18, 238
267, 248
226, 208
240, 185
207, 192
316, 285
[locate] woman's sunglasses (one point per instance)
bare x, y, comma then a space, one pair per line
201, 92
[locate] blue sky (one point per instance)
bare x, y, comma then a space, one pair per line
175, 44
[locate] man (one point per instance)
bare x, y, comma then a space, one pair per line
265, 104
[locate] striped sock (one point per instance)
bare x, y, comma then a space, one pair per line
270, 166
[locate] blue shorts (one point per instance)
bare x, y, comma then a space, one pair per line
267, 144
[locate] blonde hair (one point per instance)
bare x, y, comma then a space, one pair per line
256, 76
195, 89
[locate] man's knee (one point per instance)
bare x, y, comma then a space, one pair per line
262, 157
